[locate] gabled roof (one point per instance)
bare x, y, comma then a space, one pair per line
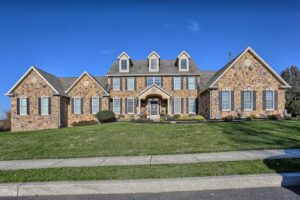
50, 79
96, 80
140, 67
158, 88
153, 52
184, 52
224, 69
123, 53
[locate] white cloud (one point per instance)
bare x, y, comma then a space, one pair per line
193, 26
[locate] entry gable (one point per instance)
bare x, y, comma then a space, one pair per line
213, 82
154, 90
90, 77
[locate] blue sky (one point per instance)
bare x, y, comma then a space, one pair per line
67, 37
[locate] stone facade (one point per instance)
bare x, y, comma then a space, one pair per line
33, 87
85, 88
241, 77
184, 93
246, 72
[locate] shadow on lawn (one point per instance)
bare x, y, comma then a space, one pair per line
279, 135
249, 135
288, 166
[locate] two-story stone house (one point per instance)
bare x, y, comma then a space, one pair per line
153, 87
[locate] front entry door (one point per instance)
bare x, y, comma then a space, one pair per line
154, 108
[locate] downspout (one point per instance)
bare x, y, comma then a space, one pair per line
59, 122
210, 109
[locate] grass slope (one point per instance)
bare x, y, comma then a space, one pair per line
154, 171
123, 139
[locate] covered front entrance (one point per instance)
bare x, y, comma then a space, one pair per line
154, 102
154, 106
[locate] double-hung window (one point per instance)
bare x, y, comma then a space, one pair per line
269, 100
44, 106
191, 83
154, 80
248, 100
192, 105
116, 106
130, 106
77, 106
116, 83
177, 83
154, 64
177, 105
183, 63
95, 101
226, 100
124, 64
130, 83
23, 106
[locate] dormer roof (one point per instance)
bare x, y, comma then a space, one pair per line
123, 54
183, 53
153, 52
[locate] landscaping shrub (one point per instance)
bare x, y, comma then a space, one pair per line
294, 108
85, 123
106, 116
176, 116
199, 118
229, 118
191, 117
6, 124
251, 117
275, 117
239, 116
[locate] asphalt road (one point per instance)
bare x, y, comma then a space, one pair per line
240, 194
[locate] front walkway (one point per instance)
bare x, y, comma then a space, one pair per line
151, 159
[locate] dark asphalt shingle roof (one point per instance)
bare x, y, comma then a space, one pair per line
141, 67
62, 84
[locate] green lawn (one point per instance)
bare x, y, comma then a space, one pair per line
154, 171
123, 139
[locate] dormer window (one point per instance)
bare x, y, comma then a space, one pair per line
124, 61
153, 60
183, 61
154, 64
124, 65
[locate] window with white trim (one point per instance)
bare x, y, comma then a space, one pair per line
130, 106
226, 100
116, 106
23, 106
153, 64
269, 100
177, 105
248, 100
77, 106
95, 105
130, 83
154, 80
177, 83
116, 83
44, 106
192, 83
183, 63
124, 64
192, 105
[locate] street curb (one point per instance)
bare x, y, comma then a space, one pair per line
150, 185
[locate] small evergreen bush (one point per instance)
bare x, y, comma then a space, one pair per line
106, 116
85, 123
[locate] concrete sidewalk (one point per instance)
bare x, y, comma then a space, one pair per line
151, 159
150, 185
